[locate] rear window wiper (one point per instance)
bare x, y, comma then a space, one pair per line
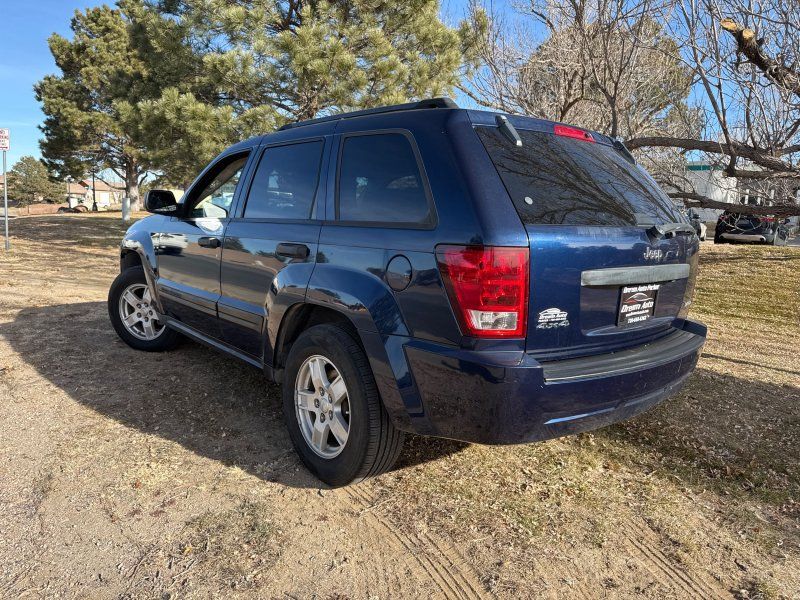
620, 147
508, 130
669, 230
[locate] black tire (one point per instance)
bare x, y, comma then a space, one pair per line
166, 340
373, 443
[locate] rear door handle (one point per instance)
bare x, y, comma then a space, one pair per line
209, 242
292, 250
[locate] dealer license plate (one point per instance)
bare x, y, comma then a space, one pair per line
637, 303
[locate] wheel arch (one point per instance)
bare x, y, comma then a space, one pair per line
384, 358
300, 317
137, 249
129, 258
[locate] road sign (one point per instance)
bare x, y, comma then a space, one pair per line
5, 146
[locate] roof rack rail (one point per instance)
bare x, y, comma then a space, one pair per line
420, 104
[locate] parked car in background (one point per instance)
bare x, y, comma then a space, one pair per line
696, 222
738, 227
423, 268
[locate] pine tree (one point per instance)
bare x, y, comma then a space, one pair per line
29, 181
268, 62
296, 59
106, 69
165, 85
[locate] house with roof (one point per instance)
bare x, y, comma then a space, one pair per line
85, 193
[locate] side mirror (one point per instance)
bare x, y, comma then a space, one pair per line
161, 202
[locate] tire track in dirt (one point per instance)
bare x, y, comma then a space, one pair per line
572, 584
420, 566
645, 545
428, 558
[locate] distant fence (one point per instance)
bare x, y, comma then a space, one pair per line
44, 208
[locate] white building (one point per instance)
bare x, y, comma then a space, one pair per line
710, 181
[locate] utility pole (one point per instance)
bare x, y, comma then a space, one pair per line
94, 196
5, 146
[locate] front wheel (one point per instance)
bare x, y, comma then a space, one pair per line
333, 411
133, 315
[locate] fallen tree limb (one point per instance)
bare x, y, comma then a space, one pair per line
759, 157
694, 200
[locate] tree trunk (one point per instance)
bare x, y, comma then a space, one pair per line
132, 183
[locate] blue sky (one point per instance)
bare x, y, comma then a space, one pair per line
25, 59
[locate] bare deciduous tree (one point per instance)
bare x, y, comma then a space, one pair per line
673, 78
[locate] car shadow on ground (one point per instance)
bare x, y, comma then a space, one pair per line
206, 401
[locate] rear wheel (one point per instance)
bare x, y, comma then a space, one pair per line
133, 315
332, 409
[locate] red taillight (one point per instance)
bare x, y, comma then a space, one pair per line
573, 132
768, 219
488, 287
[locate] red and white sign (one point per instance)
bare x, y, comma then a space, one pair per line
5, 140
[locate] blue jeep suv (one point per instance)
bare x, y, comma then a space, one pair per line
423, 268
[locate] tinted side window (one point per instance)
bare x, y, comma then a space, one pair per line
285, 182
379, 181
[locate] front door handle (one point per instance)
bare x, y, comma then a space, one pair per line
209, 242
292, 250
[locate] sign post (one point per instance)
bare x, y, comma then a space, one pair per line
5, 146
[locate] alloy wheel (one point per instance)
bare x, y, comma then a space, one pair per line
138, 314
322, 406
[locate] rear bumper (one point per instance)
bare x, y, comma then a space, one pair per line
495, 399
748, 237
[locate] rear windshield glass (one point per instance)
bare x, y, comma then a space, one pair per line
556, 180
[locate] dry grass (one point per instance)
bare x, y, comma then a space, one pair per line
132, 475
713, 473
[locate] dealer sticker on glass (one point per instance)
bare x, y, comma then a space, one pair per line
637, 303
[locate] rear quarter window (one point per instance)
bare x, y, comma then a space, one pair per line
555, 180
380, 181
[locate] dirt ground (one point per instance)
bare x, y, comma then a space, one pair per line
133, 475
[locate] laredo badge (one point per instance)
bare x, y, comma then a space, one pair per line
550, 318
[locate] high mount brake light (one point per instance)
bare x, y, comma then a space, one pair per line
488, 288
573, 132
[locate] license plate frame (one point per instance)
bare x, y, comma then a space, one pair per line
637, 303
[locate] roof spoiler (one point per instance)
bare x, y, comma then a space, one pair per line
420, 104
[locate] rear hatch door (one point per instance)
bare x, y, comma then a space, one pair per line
611, 255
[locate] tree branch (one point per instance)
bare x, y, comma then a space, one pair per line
755, 155
749, 45
700, 201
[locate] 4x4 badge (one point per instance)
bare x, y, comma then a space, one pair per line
550, 318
